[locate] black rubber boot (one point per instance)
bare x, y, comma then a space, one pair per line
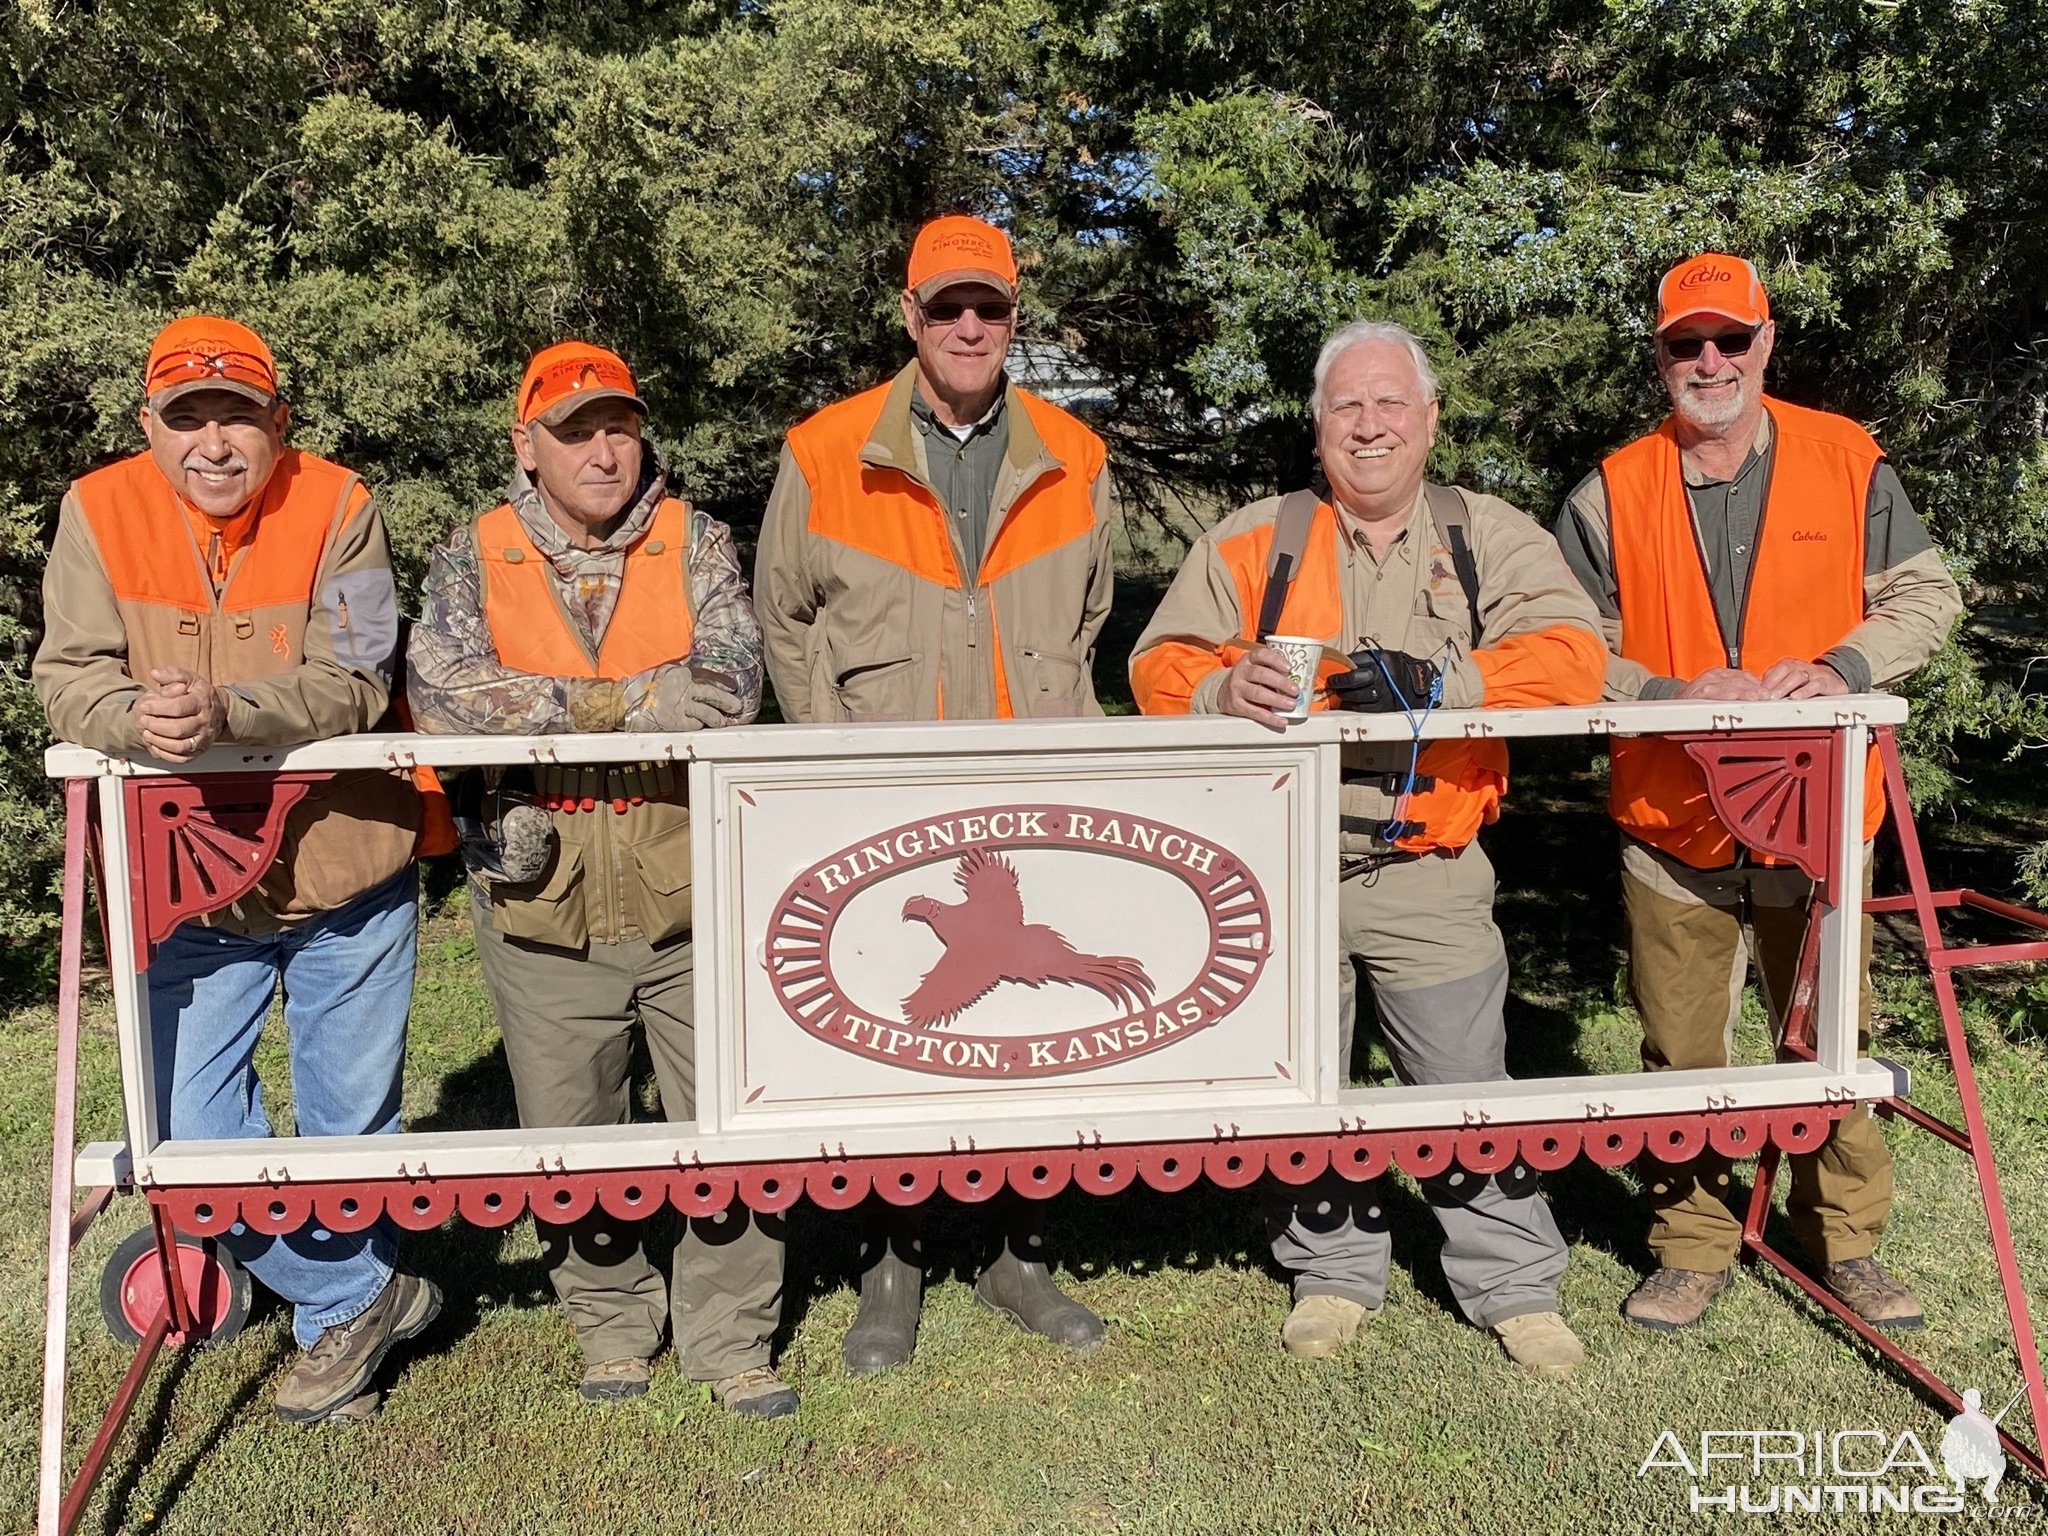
884, 1331
1018, 1284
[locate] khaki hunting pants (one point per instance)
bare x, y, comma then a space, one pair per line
1691, 933
1439, 971
567, 1018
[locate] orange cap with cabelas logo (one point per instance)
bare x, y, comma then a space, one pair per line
207, 352
958, 249
1712, 283
567, 376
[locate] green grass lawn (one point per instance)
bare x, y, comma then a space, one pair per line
1189, 1419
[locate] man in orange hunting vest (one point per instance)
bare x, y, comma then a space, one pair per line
1745, 549
222, 586
1438, 597
591, 599
937, 548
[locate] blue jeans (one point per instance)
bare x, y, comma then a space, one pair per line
347, 978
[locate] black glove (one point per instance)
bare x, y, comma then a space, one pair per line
1382, 681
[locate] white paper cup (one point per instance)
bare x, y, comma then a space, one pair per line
1303, 655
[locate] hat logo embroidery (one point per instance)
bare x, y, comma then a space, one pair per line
1705, 273
967, 245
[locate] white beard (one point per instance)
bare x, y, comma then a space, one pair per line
1702, 413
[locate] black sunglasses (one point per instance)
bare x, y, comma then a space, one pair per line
1683, 349
989, 311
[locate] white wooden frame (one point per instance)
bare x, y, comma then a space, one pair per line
713, 756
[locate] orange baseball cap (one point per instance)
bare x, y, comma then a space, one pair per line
200, 352
1712, 283
567, 376
958, 249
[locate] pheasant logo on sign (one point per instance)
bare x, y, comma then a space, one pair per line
988, 942
821, 929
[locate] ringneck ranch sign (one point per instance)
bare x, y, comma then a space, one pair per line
1014, 868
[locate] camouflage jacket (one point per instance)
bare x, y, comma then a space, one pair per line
456, 684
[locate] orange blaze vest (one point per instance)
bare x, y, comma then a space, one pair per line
335, 839
1805, 594
160, 580
621, 873
887, 513
650, 623
1471, 775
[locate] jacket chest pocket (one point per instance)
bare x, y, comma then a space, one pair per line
1441, 614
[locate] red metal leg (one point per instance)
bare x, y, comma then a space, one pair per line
110, 1427
55, 1515
183, 1316
1981, 1155
1974, 1138
63, 1147
88, 1210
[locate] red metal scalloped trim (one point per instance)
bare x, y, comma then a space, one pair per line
419, 1202
1775, 790
197, 845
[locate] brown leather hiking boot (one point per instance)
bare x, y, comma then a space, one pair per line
755, 1394
613, 1381
1863, 1286
340, 1366
1670, 1299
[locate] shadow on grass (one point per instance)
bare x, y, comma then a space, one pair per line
149, 1434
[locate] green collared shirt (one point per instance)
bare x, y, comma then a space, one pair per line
962, 472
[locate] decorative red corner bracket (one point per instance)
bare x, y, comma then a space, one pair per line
197, 845
1775, 790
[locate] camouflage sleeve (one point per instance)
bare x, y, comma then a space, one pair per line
727, 633
454, 680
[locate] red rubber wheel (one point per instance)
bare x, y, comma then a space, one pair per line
132, 1288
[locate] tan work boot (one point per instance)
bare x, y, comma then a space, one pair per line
1670, 1299
340, 1366
1542, 1344
755, 1394
613, 1381
1863, 1286
1322, 1325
